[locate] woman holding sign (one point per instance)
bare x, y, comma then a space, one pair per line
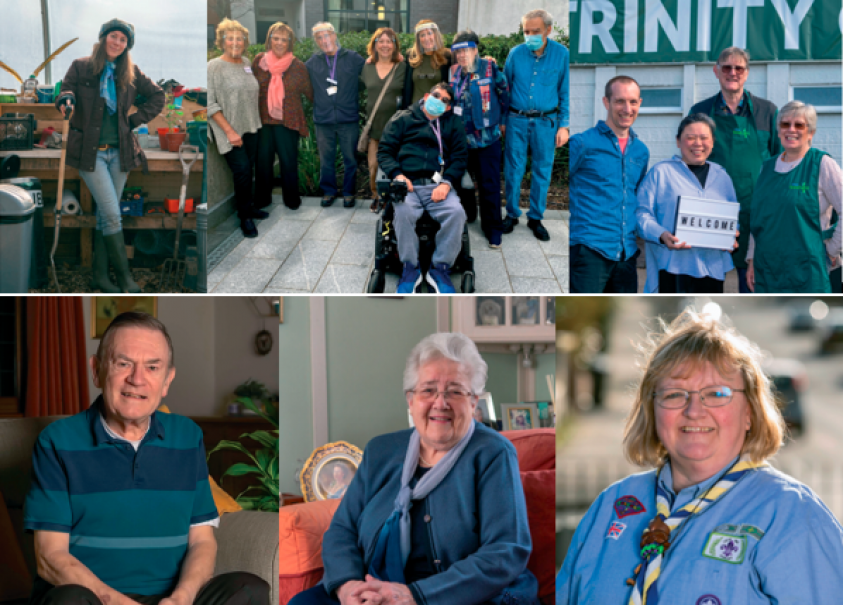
793, 242
674, 266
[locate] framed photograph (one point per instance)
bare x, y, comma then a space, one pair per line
485, 405
105, 308
491, 310
525, 310
329, 471
706, 223
519, 416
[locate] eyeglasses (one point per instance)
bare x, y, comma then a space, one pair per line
445, 99
711, 397
738, 69
796, 125
452, 396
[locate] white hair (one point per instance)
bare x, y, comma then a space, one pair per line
800, 110
542, 14
454, 346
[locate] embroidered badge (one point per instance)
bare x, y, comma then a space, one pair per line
628, 505
615, 530
751, 530
743, 529
724, 547
708, 599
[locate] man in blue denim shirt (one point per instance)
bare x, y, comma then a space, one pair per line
537, 72
607, 164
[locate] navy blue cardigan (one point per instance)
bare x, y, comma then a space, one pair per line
478, 526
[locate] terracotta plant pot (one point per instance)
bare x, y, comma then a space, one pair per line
174, 140
162, 138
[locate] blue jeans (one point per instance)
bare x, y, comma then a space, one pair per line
327, 136
539, 135
106, 184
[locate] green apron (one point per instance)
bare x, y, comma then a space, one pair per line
790, 255
741, 150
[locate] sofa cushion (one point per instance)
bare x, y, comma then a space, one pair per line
540, 493
15, 581
301, 527
536, 448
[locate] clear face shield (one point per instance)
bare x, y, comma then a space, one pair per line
428, 37
326, 40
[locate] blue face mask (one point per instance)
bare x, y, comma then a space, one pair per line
434, 106
534, 42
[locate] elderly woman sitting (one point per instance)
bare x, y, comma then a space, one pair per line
792, 247
714, 523
435, 514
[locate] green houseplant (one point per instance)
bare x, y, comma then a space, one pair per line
264, 462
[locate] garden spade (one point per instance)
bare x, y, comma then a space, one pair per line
67, 113
174, 269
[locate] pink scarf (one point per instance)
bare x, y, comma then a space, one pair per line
275, 95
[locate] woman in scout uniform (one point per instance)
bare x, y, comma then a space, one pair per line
713, 524
481, 98
673, 266
794, 244
428, 62
99, 90
436, 513
234, 116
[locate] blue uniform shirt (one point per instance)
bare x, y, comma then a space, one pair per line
539, 83
768, 540
603, 187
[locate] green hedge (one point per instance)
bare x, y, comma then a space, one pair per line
494, 46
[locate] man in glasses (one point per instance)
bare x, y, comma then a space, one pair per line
425, 146
335, 74
744, 138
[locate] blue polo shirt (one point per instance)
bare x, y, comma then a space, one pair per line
128, 513
602, 188
539, 83
770, 539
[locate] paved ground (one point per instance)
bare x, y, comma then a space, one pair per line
331, 250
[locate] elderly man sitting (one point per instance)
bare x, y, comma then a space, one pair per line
425, 147
120, 501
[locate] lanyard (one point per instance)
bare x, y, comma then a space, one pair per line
334, 68
437, 130
459, 90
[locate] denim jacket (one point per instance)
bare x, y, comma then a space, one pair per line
603, 187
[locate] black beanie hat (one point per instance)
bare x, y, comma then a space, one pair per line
122, 26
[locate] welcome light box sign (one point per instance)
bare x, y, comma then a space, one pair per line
695, 31
706, 223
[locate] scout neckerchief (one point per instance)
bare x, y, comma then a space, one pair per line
107, 89
656, 538
393, 546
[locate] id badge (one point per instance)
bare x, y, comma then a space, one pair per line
458, 110
332, 90
437, 178
248, 70
330, 81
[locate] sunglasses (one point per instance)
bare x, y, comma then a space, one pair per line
800, 126
727, 69
445, 99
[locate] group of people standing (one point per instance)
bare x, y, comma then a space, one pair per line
256, 113
734, 147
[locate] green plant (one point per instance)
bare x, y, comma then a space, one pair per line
172, 114
265, 460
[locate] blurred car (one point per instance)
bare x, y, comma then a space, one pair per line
831, 339
801, 319
790, 381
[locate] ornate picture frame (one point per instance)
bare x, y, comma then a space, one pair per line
329, 470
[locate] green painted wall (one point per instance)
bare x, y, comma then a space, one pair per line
502, 380
545, 364
368, 341
296, 425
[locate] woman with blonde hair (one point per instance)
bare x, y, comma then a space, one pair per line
234, 117
428, 62
283, 81
713, 523
99, 90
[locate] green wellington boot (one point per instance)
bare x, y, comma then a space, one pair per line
99, 275
116, 246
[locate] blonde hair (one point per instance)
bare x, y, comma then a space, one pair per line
697, 339
283, 27
441, 56
229, 25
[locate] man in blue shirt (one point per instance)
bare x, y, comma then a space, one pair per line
607, 164
335, 75
120, 502
537, 72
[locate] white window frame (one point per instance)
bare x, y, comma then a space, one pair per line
645, 110
820, 108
